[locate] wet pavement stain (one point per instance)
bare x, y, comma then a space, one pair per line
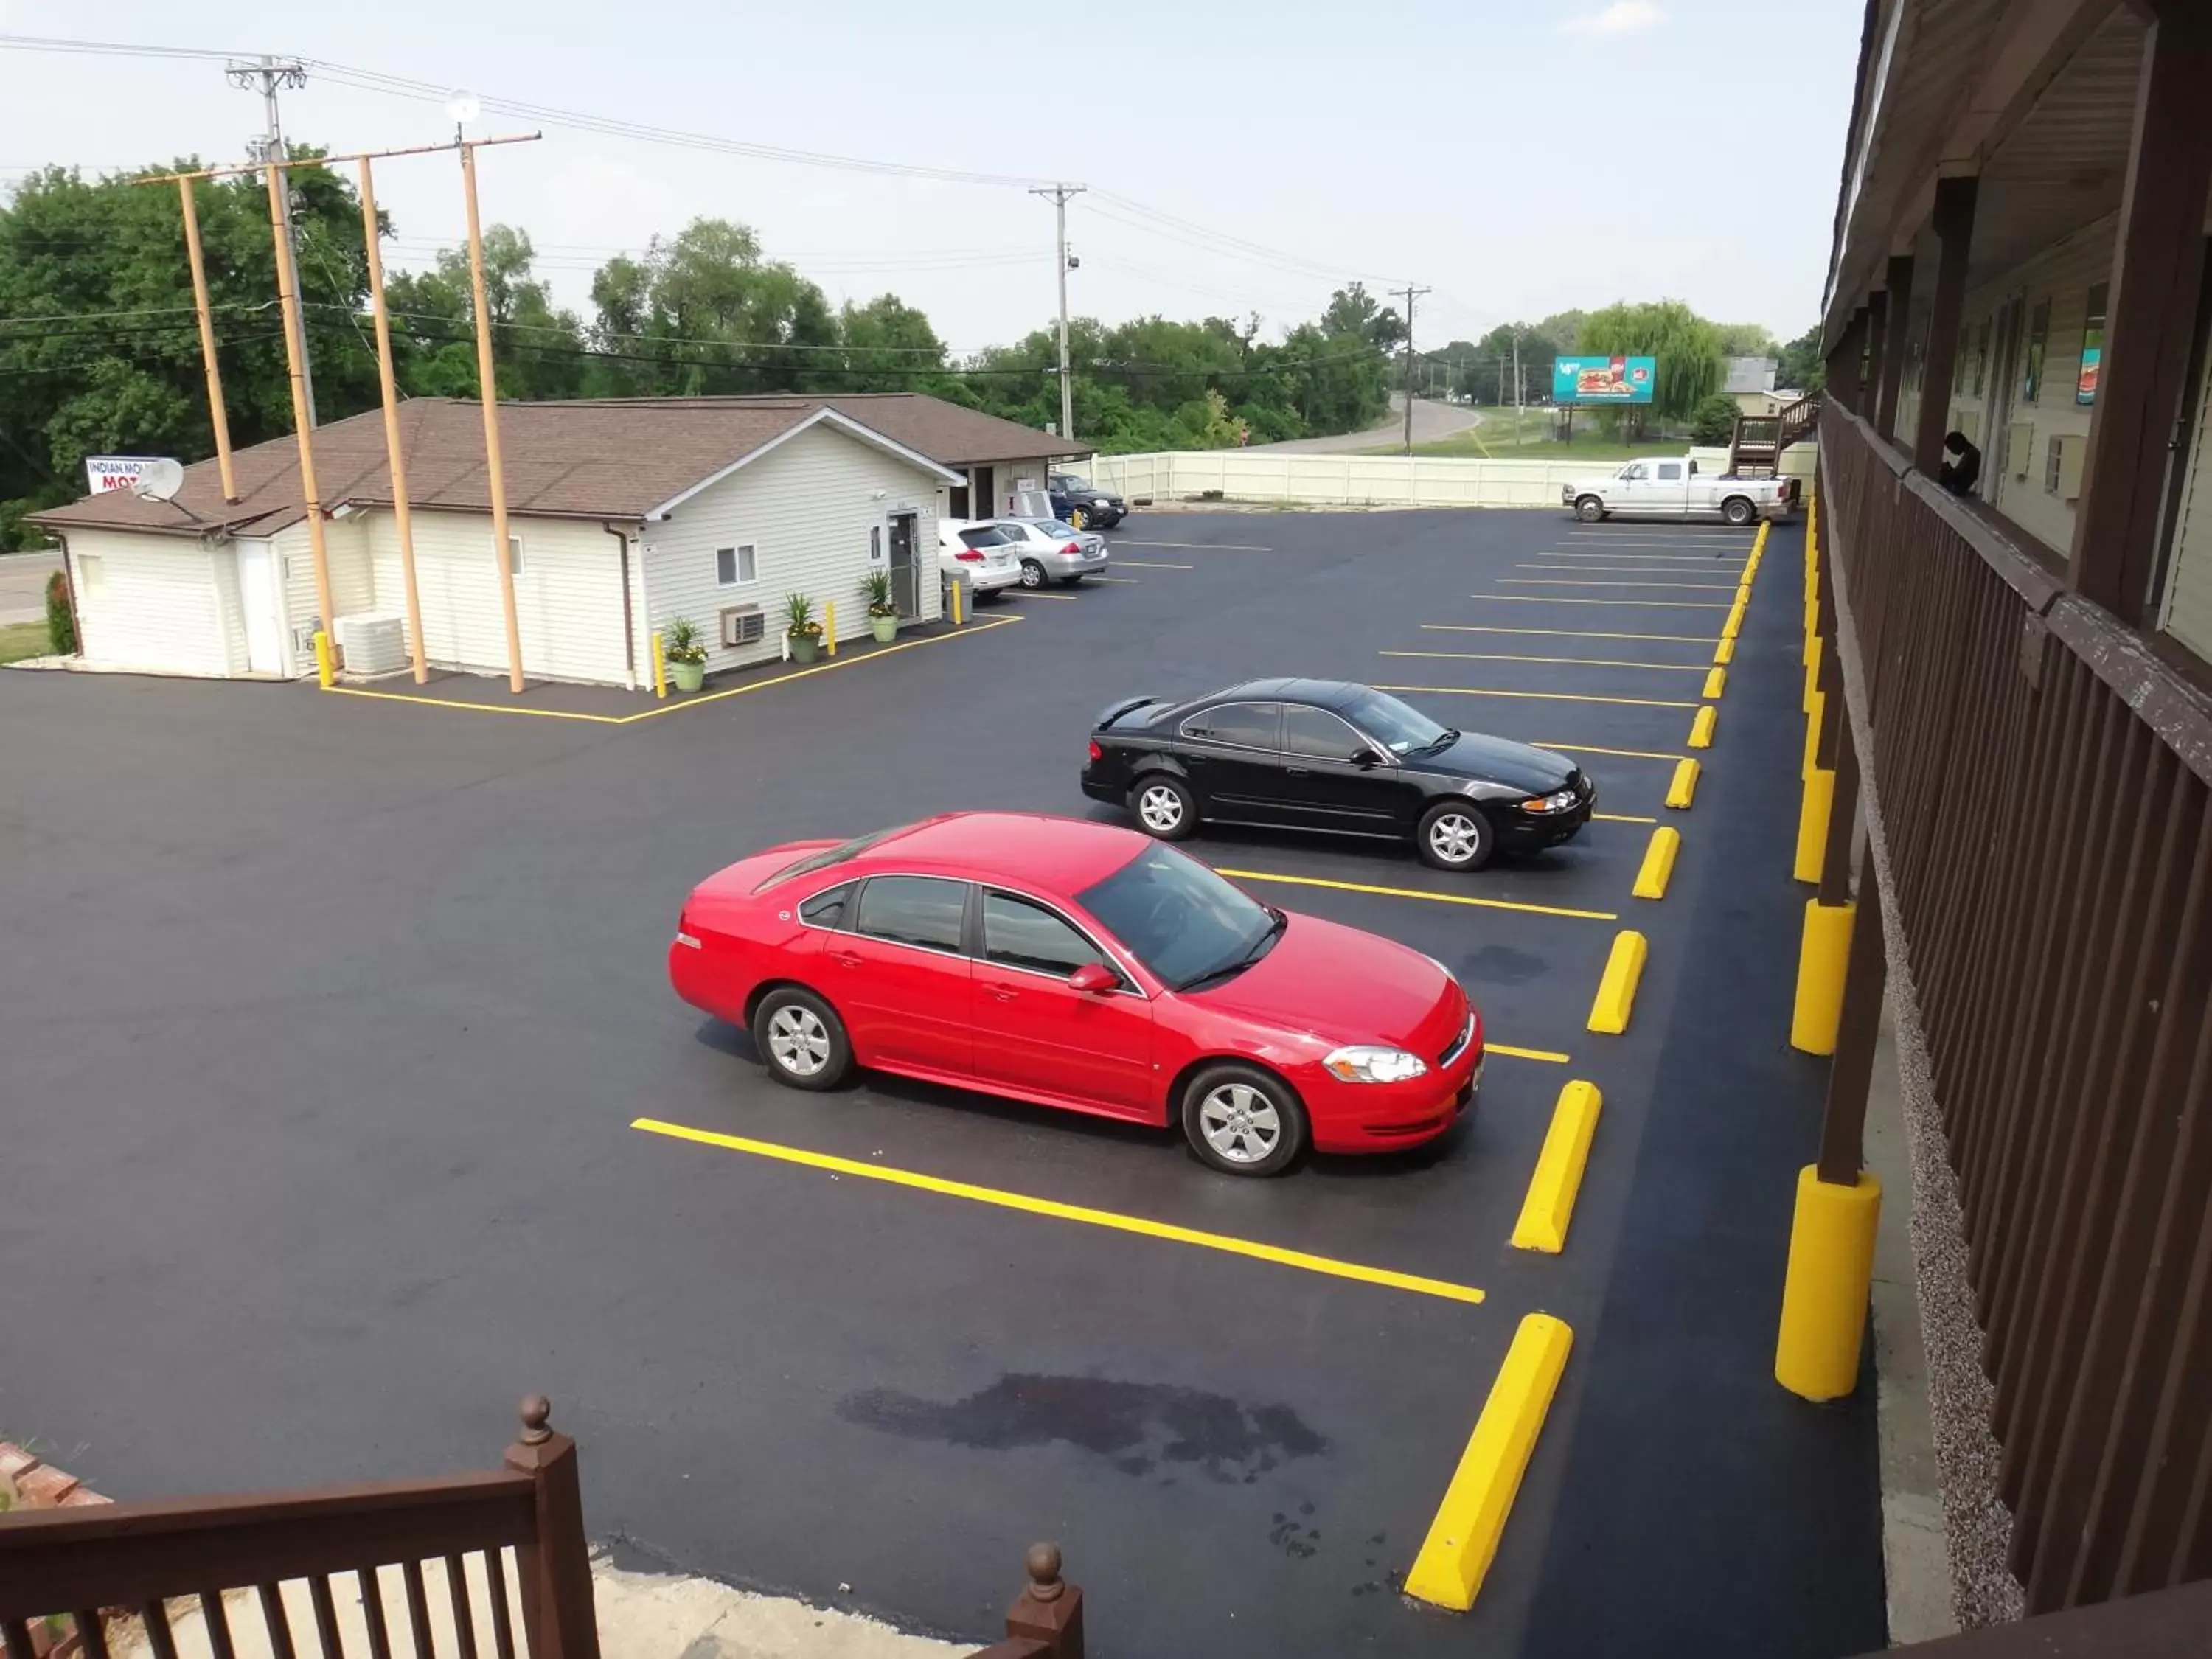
1500, 964
1136, 1427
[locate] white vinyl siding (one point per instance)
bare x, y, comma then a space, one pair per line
807, 507
353, 582
156, 603
568, 600
2187, 612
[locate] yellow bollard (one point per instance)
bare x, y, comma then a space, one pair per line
1821, 950
1812, 734
1812, 673
1824, 1292
660, 668
958, 589
1813, 823
323, 670
830, 627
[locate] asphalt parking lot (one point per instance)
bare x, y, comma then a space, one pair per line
326, 1021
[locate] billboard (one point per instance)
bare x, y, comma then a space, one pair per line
106, 472
1603, 379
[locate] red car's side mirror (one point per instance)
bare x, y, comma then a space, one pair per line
1092, 976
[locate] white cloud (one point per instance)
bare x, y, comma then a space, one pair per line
1622, 17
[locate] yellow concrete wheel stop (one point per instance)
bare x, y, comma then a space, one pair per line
1616, 989
1658, 863
1824, 1293
1701, 726
1723, 651
1813, 823
1715, 682
1551, 1201
1462, 1539
1821, 952
1681, 791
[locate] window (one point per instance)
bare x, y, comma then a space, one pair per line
2039, 336
1019, 935
2052, 455
2093, 346
984, 535
826, 909
92, 571
875, 544
1635, 472
733, 565
1670, 471
1982, 356
1319, 734
829, 855
1402, 729
1176, 916
1245, 724
923, 910
514, 556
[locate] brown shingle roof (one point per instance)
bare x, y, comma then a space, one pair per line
947, 433
616, 459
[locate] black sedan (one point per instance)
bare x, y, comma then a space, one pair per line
1328, 756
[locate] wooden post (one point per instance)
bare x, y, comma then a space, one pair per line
1050, 1609
557, 1614
395, 457
488, 392
1877, 337
1897, 338
2156, 269
1955, 233
216, 414
1844, 362
1842, 1118
288, 301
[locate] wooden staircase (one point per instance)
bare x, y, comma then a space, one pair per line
1756, 446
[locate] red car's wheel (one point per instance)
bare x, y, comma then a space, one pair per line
1243, 1120
802, 1039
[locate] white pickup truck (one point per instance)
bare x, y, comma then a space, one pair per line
1662, 487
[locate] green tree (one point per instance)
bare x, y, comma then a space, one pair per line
1687, 346
537, 347
1802, 367
1747, 340
887, 345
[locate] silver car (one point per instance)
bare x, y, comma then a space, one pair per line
1052, 551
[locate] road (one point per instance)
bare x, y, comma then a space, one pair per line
24, 586
1431, 421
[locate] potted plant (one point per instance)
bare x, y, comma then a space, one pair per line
800, 631
883, 605
686, 654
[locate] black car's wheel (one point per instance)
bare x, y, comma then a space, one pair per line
1456, 834
1242, 1121
1032, 573
1736, 510
1165, 808
1589, 509
802, 1039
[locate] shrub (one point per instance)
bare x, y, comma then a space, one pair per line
1713, 421
61, 623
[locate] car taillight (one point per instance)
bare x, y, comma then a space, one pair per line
1097, 753
971, 556
1073, 550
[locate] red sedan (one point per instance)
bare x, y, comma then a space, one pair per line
1083, 966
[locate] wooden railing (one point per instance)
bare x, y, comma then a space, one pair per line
1797, 421
2041, 779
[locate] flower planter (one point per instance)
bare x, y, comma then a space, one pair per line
688, 676
886, 629
804, 646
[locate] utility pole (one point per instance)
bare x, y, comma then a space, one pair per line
1060, 194
1516, 385
268, 75
1411, 294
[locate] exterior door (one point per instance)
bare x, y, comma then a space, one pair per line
1034, 1033
259, 597
1668, 491
1324, 789
1233, 753
1632, 490
1996, 436
902, 571
899, 976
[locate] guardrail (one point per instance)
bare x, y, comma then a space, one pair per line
2041, 779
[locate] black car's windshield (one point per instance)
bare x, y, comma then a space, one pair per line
1179, 919
828, 856
1404, 729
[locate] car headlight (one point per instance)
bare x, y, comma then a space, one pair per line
1558, 801
1362, 1064
1101, 502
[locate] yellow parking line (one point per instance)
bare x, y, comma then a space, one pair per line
479, 707
1573, 581
1562, 633
1154, 564
1584, 662
1592, 748
1045, 1206
1416, 893
1544, 1054
1560, 598
1547, 696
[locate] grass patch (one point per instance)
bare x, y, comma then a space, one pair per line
1526, 436
21, 640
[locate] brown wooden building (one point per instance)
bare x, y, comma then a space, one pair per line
2021, 762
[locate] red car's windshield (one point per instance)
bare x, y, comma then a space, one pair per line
1178, 918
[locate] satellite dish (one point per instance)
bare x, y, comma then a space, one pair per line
463, 107
160, 480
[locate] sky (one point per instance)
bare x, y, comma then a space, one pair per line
1517, 157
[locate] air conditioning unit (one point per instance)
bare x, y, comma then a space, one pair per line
744, 624
372, 645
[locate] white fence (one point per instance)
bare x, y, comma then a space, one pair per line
1243, 475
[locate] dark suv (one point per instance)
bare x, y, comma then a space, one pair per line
1102, 509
